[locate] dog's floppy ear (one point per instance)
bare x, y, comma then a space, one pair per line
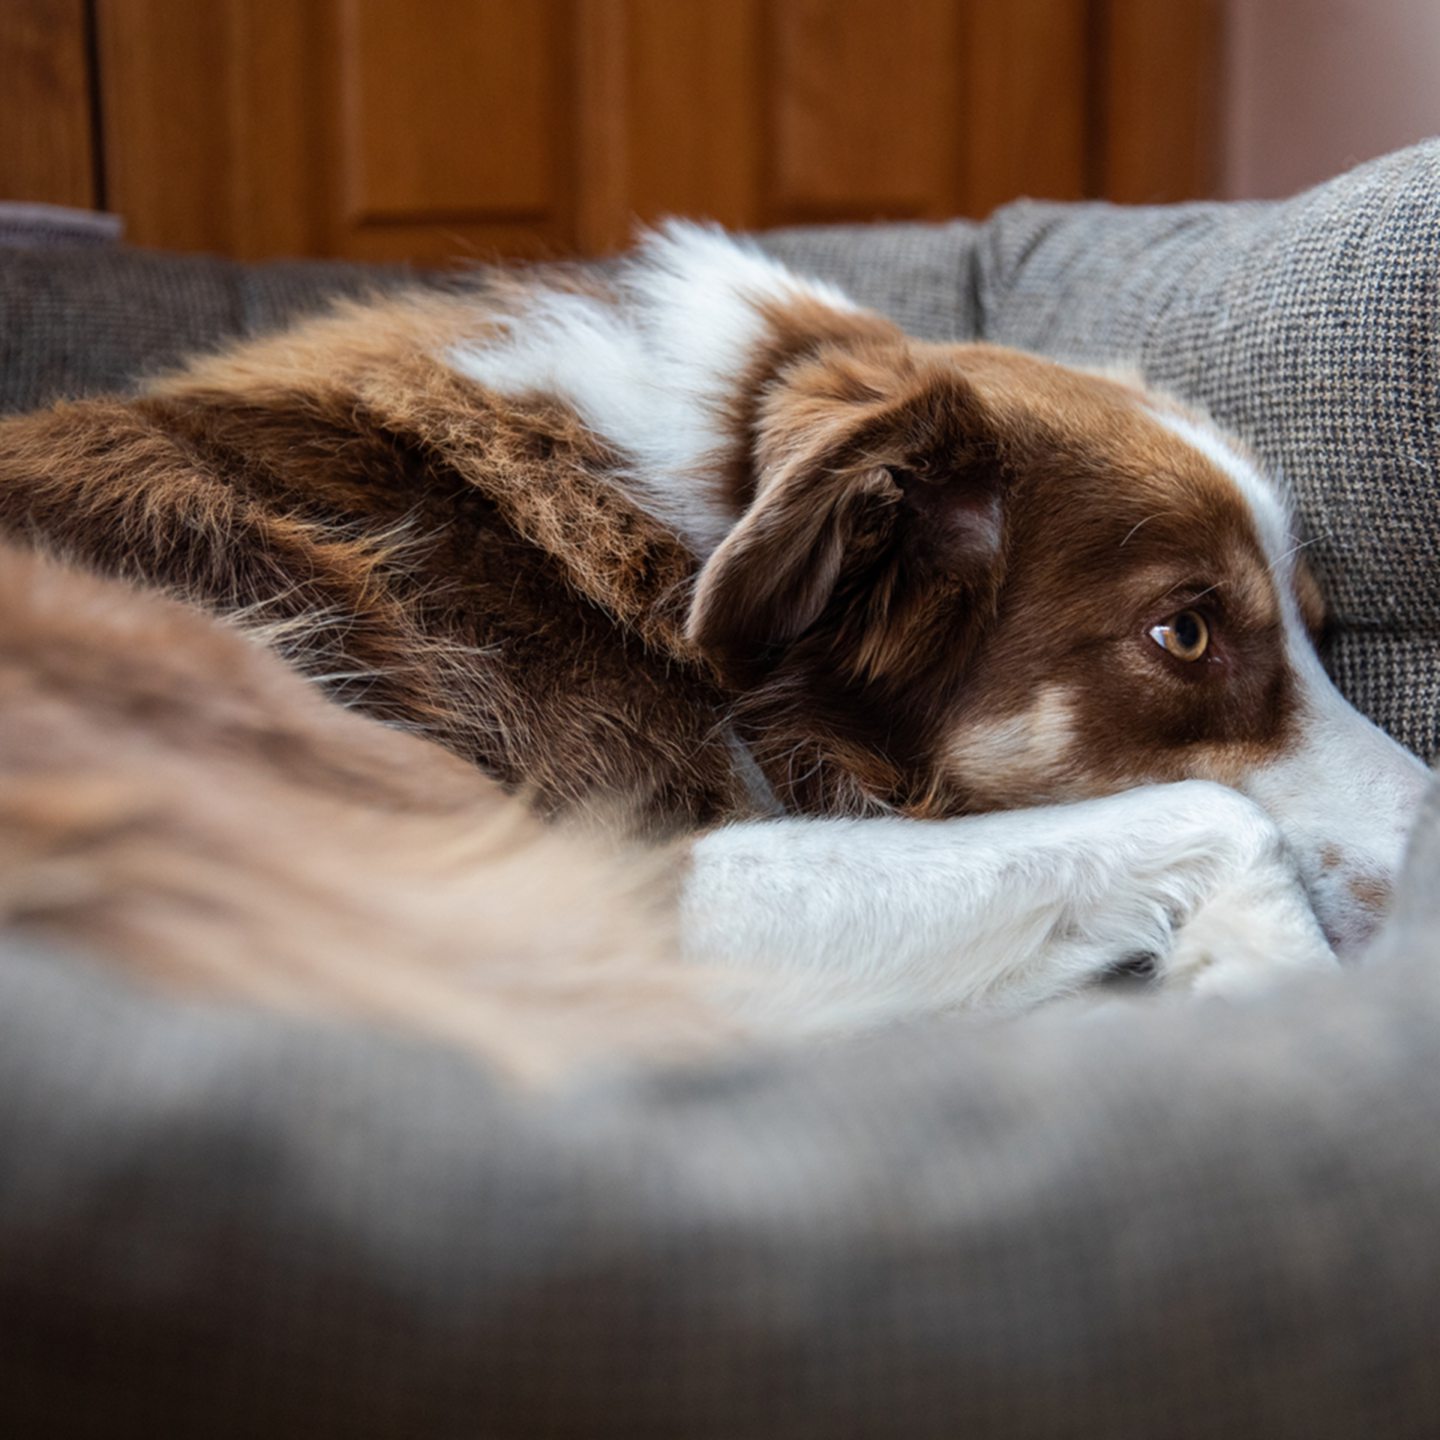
869, 483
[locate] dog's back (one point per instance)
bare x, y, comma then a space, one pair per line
448, 562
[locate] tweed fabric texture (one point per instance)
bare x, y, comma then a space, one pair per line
1310, 329
1212, 1220
921, 275
82, 320
36, 226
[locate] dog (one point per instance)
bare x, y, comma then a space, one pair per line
941, 676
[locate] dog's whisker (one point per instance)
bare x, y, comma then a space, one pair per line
1137, 527
1295, 550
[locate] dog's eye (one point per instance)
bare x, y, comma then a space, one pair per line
1185, 635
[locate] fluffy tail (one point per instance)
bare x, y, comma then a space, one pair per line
177, 802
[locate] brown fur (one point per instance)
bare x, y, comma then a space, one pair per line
934, 600
456, 566
942, 534
471, 568
177, 800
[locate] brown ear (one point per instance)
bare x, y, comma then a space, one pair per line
890, 492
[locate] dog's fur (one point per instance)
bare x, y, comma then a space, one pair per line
700, 543
177, 800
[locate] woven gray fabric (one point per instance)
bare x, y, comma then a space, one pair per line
48, 227
1310, 329
80, 320
1212, 1221
919, 275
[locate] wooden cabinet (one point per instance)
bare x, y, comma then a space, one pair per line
46, 132
425, 129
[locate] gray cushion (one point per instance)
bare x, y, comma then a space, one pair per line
921, 275
1170, 1223
78, 321
1195, 1221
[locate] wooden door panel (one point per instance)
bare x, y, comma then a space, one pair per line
281, 188
865, 95
1161, 101
1028, 116
694, 128
46, 153
456, 136
427, 129
341, 127
459, 118
765, 112
168, 104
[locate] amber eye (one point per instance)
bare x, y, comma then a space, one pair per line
1186, 636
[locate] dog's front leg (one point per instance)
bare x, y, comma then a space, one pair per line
862, 920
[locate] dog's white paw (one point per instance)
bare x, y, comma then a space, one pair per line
1240, 916
1252, 931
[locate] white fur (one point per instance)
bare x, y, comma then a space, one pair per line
652, 372
868, 920
1345, 789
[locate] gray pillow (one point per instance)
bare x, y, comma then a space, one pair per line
83, 320
922, 275
1205, 1221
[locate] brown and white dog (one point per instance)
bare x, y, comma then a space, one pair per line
1051, 585
978, 675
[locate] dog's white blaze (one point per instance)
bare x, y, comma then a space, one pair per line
652, 373
1271, 520
1345, 794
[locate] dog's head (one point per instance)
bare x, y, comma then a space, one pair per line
951, 578
1022, 583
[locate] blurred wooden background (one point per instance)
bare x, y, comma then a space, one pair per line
424, 129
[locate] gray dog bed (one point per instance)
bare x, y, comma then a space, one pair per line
1153, 1223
